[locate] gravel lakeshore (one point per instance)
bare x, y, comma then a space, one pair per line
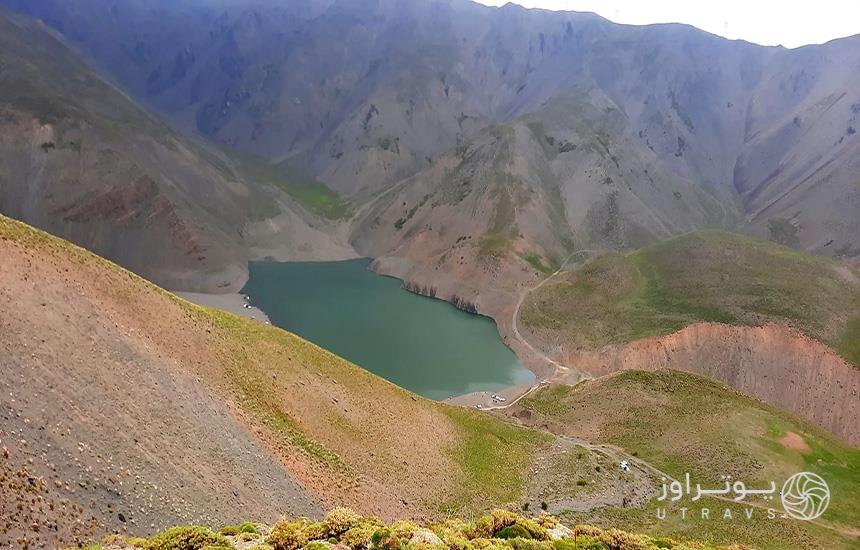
234, 303
485, 398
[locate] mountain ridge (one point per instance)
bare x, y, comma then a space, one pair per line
365, 98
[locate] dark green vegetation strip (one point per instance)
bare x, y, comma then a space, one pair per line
703, 276
547, 267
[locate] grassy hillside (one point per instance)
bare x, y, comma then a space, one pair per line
681, 423
701, 276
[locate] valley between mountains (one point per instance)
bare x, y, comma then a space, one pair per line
663, 224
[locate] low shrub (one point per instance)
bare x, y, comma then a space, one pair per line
187, 537
248, 527
535, 529
513, 531
620, 540
499, 530
589, 543
360, 536
340, 520
587, 530
530, 544
288, 535
316, 531
546, 521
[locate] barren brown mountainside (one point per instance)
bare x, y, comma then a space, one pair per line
79, 158
561, 129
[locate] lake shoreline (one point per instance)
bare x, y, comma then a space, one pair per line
428, 346
232, 302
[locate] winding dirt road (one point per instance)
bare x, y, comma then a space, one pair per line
559, 368
516, 315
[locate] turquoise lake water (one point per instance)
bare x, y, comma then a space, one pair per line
422, 344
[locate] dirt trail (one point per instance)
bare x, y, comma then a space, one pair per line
560, 371
516, 314
618, 454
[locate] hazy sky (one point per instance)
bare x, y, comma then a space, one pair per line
791, 23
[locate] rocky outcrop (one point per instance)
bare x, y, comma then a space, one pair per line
776, 364
418, 288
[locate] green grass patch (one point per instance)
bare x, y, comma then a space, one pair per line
321, 200
537, 261
494, 457
313, 195
849, 344
494, 245
548, 401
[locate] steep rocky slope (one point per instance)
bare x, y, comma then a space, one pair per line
101, 413
797, 174
77, 157
363, 95
514, 203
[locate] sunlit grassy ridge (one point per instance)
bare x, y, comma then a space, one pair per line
500, 530
702, 276
681, 423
